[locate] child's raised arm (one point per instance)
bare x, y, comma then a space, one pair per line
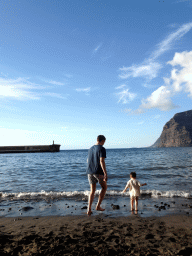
143, 184
126, 187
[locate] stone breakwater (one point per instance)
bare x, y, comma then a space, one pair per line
30, 149
177, 132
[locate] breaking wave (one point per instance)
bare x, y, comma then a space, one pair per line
81, 195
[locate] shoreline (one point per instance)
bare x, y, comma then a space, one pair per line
96, 235
147, 207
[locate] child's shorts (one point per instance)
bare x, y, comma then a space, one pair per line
133, 197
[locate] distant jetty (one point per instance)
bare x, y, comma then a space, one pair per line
30, 149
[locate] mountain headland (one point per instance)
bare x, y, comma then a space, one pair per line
177, 132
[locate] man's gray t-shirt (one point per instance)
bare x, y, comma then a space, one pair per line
94, 154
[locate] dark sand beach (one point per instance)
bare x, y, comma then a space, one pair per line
96, 235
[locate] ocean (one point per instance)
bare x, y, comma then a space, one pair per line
56, 183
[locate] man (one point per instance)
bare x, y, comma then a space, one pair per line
96, 171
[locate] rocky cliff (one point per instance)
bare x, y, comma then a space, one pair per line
177, 132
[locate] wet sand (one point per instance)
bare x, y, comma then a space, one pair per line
148, 207
96, 235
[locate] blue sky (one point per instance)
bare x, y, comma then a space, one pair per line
71, 70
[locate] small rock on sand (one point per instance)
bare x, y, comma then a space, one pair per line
115, 207
27, 208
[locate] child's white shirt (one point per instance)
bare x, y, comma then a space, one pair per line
134, 187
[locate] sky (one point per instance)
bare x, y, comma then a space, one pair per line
71, 70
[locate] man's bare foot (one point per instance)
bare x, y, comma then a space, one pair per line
89, 213
99, 209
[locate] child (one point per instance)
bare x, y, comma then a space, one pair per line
134, 190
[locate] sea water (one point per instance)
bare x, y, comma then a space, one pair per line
61, 177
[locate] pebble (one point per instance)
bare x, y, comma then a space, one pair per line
27, 208
115, 207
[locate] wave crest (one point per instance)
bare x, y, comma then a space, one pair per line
43, 195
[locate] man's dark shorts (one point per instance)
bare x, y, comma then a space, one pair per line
94, 178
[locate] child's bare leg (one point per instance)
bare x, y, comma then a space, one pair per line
136, 203
132, 201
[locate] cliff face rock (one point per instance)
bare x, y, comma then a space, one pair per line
177, 132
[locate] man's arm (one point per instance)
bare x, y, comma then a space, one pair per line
102, 163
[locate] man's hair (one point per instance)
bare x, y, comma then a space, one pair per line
133, 174
100, 138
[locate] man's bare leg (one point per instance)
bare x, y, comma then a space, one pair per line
101, 196
91, 197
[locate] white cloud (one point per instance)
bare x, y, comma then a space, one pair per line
160, 98
125, 96
55, 82
150, 68
126, 110
182, 1
166, 44
23, 89
86, 90
97, 48
18, 89
52, 82
120, 87
55, 95
180, 80
183, 59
